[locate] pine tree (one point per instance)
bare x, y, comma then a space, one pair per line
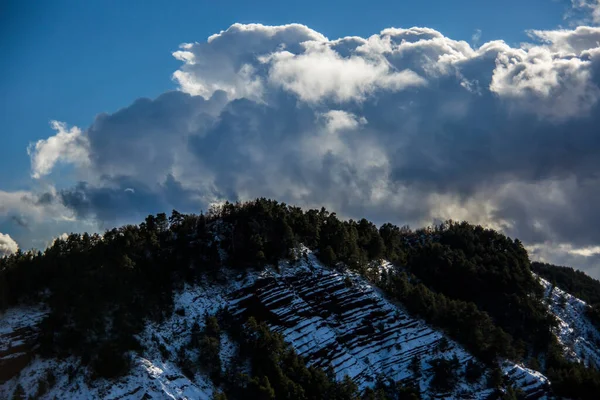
219, 395
328, 256
415, 366
496, 378
19, 393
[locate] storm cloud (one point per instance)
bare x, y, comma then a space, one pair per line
407, 126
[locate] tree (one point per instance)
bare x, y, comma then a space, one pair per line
443, 344
264, 390
212, 327
19, 393
219, 395
444, 374
473, 371
370, 394
328, 256
376, 249
348, 390
496, 378
415, 366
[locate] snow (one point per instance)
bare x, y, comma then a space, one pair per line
157, 379
150, 374
579, 337
532, 383
20, 317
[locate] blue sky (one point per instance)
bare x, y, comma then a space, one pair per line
467, 110
70, 60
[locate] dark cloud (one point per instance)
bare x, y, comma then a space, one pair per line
45, 198
20, 220
127, 200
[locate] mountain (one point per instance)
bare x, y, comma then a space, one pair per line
264, 300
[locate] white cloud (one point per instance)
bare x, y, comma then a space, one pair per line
569, 41
63, 236
549, 85
551, 79
67, 146
583, 251
321, 72
226, 60
339, 120
7, 245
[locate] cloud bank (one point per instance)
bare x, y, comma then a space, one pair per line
407, 125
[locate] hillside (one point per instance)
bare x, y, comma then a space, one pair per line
332, 318
268, 299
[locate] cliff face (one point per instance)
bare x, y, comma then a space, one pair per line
335, 319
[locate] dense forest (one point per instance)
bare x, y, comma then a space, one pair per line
473, 283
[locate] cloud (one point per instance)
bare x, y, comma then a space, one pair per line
584, 11
23, 206
321, 72
63, 236
551, 86
406, 125
339, 120
7, 245
21, 221
564, 41
67, 146
476, 37
586, 259
225, 61
32, 218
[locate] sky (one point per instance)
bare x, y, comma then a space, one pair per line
409, 112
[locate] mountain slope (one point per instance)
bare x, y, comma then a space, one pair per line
577, 334
335, 319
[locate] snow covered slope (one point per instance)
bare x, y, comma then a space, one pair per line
581, 340
17, 339
152, 375
335, 319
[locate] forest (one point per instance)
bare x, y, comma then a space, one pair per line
473, 283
